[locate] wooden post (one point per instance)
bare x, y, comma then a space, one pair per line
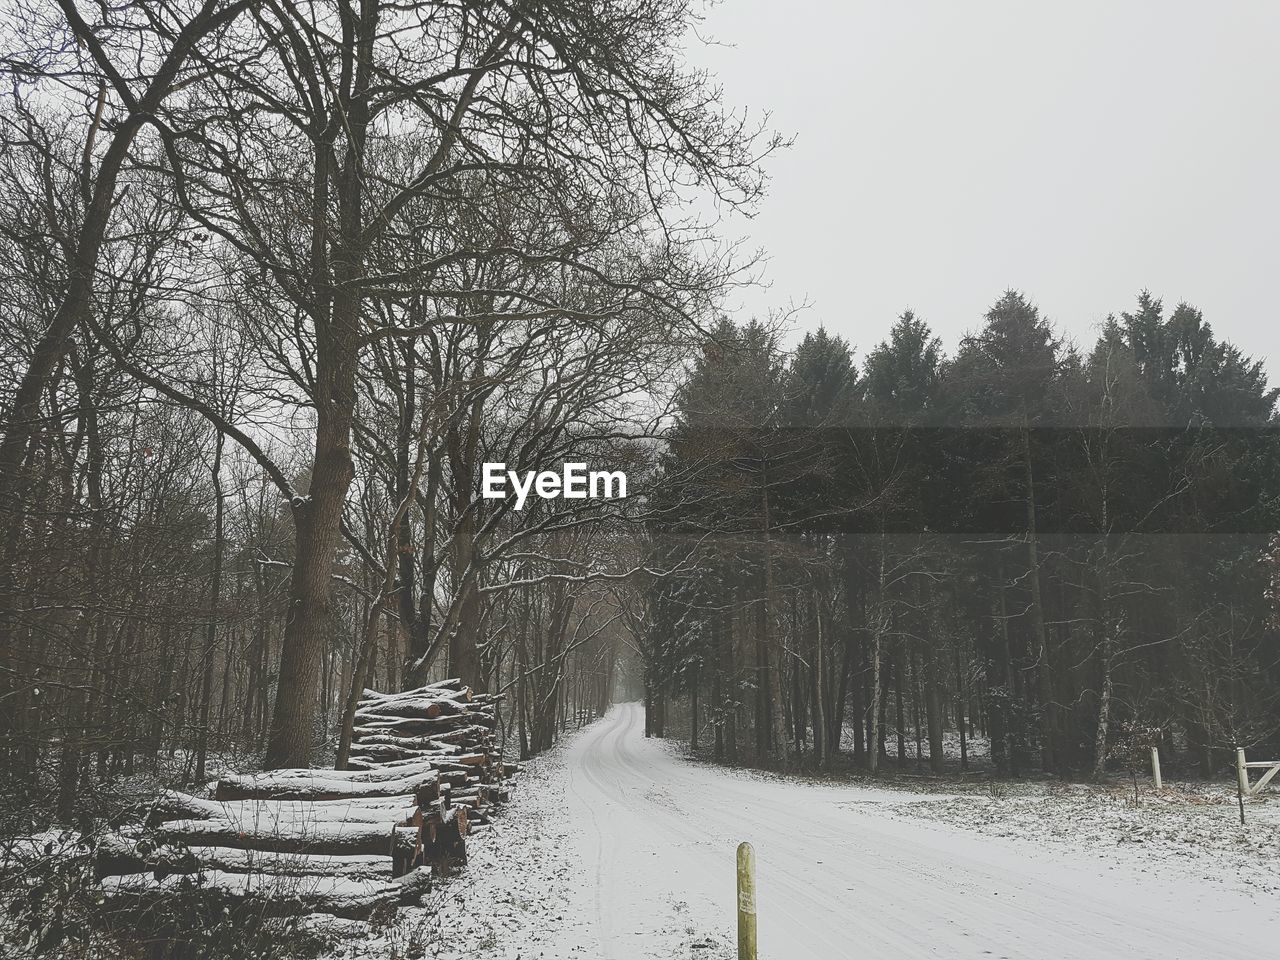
746, 902
1242, 781
1155, 767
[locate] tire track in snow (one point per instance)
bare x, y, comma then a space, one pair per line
838, 879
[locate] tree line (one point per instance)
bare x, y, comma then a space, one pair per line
276, 280
1068, 552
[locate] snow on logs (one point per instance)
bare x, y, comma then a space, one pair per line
118, 855
341, 785
270, 894
443, 725
347, 842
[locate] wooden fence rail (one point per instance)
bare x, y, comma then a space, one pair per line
1242, 772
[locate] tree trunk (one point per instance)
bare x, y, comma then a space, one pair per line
731, 675
89, 625
406, 594
899, 668
693, 712
717, 692
1105, 653
775, 675
933, 697
960, 709
1010, 738
819, 708
916, 716
856, 659
1104, 712
309, 624
338, 265
211, 629
1048, 707
879, 625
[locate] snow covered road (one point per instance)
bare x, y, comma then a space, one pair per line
652, 840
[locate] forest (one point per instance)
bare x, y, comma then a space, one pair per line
1066, 551
277, 280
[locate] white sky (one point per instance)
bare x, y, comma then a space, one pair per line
948, 149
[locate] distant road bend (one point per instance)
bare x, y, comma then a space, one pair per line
839, 879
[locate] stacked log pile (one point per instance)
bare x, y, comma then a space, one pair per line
444, 725
352, 842
349, 855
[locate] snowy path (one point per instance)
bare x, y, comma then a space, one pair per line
652, 840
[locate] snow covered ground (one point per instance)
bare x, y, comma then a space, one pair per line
1190, 828
617, 848
977, 748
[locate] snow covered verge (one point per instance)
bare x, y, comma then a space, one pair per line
556, 877
512, 900
1190, 827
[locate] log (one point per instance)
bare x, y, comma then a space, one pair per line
454, 685
444, 768
420, 710
406, 847
391, 751
465, 762
478, 793
173, 805
414, 885
429, 744
269, 895
472, 734
376, 723
452, 764
427, 705
121, 855
442, 840
449, 714
404, 852
447, 689
328, 784
255, 812
309, 773
325, 837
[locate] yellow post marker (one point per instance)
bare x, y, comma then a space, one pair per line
746, 902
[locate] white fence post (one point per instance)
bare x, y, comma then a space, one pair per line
1155, 767
1242, 781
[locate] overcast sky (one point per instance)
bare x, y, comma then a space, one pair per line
1079, 151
